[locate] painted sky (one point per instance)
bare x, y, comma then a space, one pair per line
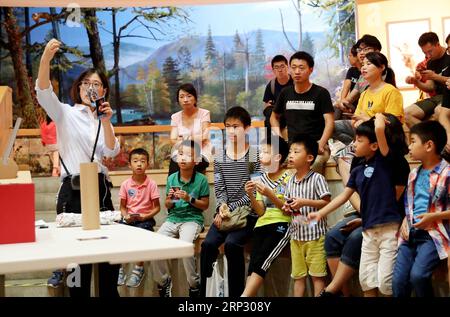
224, 19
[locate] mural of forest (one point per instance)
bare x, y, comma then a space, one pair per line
224, 50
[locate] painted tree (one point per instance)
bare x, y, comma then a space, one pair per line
154, 19
297, 6
341, 17
26, 108
210, 49
171, 75
308, 44
90, 21
259, 55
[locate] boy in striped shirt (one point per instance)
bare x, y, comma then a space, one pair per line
306, 192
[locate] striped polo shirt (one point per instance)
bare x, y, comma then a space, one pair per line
313, 186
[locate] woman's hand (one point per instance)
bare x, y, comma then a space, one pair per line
105, 108
426, 221
50, 50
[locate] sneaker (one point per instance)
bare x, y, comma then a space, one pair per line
166, 289
136, 276
194, 292
56, 279
122, 277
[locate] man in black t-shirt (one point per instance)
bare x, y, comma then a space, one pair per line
282, 79
443, 113
307, 108
435, 81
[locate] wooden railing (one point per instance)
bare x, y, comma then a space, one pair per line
135, 129
6, 118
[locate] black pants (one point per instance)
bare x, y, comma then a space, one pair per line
234, 243
69, 201
107, 279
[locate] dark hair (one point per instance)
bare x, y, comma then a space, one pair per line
303, 56
311, 146
75, 90
139, 151
395, 135
370, 41
283, 147
279, 58
190, 89
428, 37
447, 38
431, 131
193, 145
238, 113
367, 129
353, 50
379, 60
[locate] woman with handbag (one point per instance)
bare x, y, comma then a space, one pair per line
85, 133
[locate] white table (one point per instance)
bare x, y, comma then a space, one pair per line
56, 248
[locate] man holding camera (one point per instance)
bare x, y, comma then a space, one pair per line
429, 79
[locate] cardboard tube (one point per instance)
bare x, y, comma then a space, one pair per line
90, 206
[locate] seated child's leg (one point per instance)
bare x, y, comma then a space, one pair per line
388, 253
189, 232
208, 254
160, 268
253, 284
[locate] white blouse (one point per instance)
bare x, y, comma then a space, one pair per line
76, 128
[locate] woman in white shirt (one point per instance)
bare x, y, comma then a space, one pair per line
78, 129
191, 123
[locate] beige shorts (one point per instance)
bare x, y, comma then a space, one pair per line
378, 254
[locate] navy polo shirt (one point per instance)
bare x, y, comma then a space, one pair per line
375, 182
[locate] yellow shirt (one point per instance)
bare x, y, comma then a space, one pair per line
387, 100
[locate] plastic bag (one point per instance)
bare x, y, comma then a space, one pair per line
74, 220
217, 284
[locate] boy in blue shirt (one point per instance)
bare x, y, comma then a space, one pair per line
373, 180
425, 238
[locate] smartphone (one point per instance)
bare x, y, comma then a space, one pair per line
175, 189
98, 103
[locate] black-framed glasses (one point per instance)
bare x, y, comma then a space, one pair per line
95, 84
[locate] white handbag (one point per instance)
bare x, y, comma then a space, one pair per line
217, 284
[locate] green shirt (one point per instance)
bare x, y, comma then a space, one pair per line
183, 211
272, 213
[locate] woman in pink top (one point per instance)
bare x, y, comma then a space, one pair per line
48, 139
191, 123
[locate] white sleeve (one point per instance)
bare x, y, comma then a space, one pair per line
50, 102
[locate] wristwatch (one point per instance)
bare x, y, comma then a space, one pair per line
192, 201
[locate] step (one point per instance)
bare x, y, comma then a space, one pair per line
46, 184
46, 215
45, 201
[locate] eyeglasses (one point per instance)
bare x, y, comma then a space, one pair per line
95, 84
365, 49
279, 67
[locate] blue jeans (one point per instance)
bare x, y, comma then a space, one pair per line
416, 260
345, 245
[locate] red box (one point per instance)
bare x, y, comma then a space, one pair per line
17, 213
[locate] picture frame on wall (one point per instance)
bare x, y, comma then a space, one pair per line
403, 51
445, 27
